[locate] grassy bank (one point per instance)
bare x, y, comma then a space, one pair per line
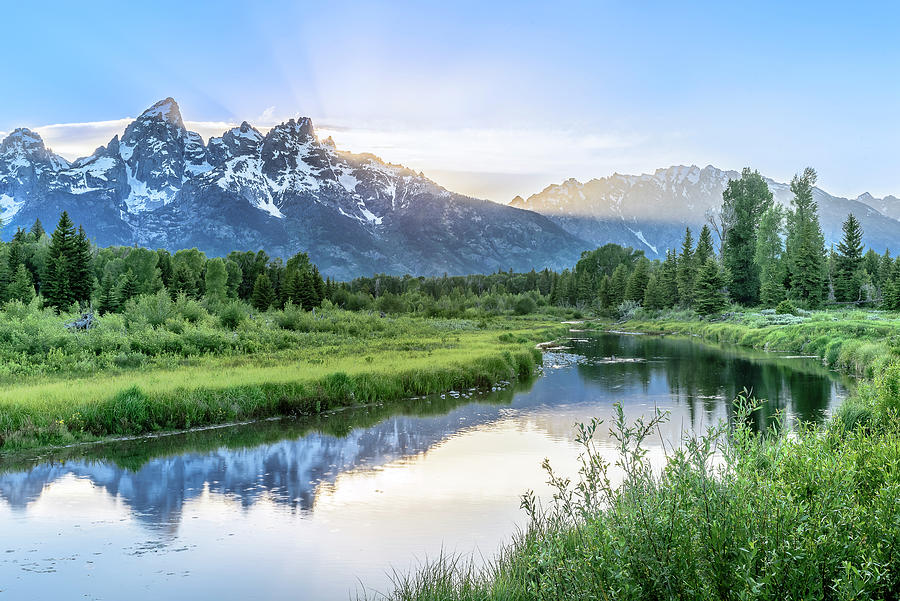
859, 342
260, 369
734, 514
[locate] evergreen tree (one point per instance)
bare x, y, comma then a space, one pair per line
126, 288
37, 230
22, 287
709, 296
805, 247
319, 285
617, 284
669, 279
183, 282
82, 274
745, 200
263, 293
603, 293
307, 291
291, 288
637, 281
686, 270
704, 246
57, 286
847, 272
108, 300
655, 294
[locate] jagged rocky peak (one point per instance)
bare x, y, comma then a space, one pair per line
165, 110
244, 140
25, 145
159, 155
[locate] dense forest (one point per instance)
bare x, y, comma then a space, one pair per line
753, 253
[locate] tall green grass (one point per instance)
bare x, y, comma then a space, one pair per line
330, 360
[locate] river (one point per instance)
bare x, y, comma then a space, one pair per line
324, 508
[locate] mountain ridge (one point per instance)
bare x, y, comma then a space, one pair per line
650, 211
284, 191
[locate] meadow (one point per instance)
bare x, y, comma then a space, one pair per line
170, 365
734, 514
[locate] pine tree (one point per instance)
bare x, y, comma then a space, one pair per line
108, 299
319, 285
57, 286
617, 284
704, 246
307, 291
22, 287
291, 288
37, 230
603, 293
745, 200
263, 293
847, 272
82, 275
709, 296
686, 270
805, 247
669, 278
637, 281
655, 294
126, 288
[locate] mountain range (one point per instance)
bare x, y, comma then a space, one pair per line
650, 211
286, 190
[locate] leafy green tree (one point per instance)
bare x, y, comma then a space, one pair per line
637, 281
216, 280
805, 246
709, 294
686, 269
263, 295
745, 201
848, 262
234, 278
22, 287
769, 257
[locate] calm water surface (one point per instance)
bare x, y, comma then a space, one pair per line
316, 509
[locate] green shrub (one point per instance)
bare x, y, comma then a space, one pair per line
233, 313
785, 307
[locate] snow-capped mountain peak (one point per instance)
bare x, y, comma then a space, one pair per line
285, 191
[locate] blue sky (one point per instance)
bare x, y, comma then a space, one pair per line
489, 98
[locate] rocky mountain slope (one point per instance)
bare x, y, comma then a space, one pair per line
650, 211
284, 191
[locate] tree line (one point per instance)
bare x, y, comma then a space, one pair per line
767, 254
67, 271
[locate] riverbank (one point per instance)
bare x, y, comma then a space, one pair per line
735, 515
341, 359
